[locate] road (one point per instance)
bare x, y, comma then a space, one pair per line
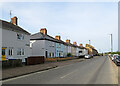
91, 71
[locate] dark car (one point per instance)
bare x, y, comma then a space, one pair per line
117, 60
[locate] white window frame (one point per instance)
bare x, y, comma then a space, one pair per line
21, 52
10, 51
21, 36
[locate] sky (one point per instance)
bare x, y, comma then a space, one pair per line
77, 21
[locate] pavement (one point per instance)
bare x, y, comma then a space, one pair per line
19, 71
90, 71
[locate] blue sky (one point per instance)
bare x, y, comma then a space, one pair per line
77, 21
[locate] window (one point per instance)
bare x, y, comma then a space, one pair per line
20, 36
10, 52
20, 51
50, 54
53, 54
59, 54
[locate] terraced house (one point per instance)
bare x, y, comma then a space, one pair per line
61, 47
45, 45
42, 44
15, 41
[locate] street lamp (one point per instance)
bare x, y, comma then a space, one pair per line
89, 42
111, 42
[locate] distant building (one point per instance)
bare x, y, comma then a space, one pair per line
15, 41
91, 50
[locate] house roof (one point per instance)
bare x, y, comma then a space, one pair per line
12, 27
41, 36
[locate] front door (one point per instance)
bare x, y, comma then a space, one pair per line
3, 54
46, 54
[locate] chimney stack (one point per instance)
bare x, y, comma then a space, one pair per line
74, 43
68, 41
81, 45
86, 45
14, 20
43, 30
57, 37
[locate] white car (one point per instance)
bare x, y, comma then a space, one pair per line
113, 57
87, 56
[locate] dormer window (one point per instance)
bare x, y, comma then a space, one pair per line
20, 36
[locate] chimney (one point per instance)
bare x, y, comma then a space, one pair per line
81, 45
14, 20
74, 43
57, 37
44, 31
86, 45
68, 41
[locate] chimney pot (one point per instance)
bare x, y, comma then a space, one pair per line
14, 20
81, 45
74, 43
57, 37
43, 30
68, 41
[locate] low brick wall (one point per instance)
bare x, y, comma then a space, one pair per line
58, 59
35, 60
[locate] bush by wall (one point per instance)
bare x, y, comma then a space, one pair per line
69, 55
12, 63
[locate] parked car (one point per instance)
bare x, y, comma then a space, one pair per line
117, 60
113, 57
87, 56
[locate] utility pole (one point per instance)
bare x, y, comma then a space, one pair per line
10, 14
89, 42
111, 43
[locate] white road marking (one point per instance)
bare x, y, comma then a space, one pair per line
68, 74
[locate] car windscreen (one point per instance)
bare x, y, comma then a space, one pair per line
118, 57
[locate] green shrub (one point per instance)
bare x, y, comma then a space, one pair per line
12, 63
69, 55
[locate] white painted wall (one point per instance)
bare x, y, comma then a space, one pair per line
9, 39
69, 49
50, 47
39, 47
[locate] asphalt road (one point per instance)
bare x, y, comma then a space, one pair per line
91, 71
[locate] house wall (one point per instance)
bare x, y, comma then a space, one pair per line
39, 48
77, 51
85, 51
65, 50
50, 47
9, 40
73, 51
69, 49
59, 50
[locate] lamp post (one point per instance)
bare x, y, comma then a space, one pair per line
111, 42
89, 42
